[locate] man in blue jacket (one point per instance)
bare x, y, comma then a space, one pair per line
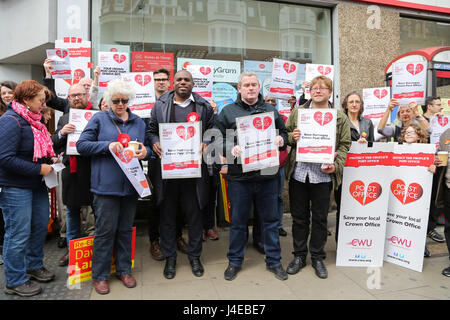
258, 188
191, 194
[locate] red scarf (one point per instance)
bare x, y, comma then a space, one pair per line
42, 142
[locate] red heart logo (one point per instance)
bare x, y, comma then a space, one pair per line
380, 94
262, 124
88, 116
119, 58
78, 75
61, 53
406, 194
126, 156
443, 121
143, 81
181, 132
418, 68
323, 119
365, 196
205, 71
324, 71
288, 67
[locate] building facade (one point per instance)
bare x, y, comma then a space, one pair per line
360, 38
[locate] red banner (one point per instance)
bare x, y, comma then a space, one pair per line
323, 149
261, 156
181, 165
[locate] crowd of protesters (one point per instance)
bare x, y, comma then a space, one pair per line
92, 181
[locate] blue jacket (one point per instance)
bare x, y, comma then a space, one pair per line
107, 178
17, 168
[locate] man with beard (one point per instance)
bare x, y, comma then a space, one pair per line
76, 175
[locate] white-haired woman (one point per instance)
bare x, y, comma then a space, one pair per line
115, 198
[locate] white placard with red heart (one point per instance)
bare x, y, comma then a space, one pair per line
80, 119
203, 80
409, 204
80, 56
364, 203
318, 135
112, 65
132, 169
315, 70
256, 137
60, 64
181, 150
376, 101
438, 125
284, 79
144, 88
409, 82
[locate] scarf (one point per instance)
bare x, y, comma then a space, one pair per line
73, 160
42, 142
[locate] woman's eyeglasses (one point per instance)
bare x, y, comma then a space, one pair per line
117, 101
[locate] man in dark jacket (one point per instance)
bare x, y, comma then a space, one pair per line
191, 194
255, 187
76, 176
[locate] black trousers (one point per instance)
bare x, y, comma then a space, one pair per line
309, 203
180, 193
447, 216
337, 199
154, 220
434, 212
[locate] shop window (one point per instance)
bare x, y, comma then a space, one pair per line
417, 34
225, 30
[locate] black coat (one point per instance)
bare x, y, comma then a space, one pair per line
161, 114
75, 186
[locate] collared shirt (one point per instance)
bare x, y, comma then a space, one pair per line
310, 170
186, 103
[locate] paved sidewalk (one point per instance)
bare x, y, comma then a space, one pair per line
254, 282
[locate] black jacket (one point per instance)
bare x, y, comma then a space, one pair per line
76, 187
227, 120
161, 114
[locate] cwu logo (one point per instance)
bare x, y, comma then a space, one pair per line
399, 255
360, 256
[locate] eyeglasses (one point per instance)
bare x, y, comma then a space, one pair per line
77, 95
117, 101
319, 89
161, 80
410, 132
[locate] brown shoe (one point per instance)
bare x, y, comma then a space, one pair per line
128, 280
101, 287
182, 245
64, 261
155, 251
212, 235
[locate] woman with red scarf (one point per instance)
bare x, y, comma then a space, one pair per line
25, 157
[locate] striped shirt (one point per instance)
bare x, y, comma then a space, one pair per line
310, 170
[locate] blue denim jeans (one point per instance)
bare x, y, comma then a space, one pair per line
263, 195
73, 224
26, 213
114, 217
281, 179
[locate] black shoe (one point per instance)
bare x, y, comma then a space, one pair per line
321, 270
231, 272
446, 272
427, 253
169, 269
259, 246
279, 272
62, 242
434, 235
197, 268
298, 263
282, 232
